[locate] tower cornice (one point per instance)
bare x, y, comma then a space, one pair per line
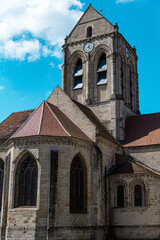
109, 34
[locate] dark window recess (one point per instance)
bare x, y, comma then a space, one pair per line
102, 79
78, 73
102, 70
78, 186
1, 180
120, 196
26, 183
89, 32
53, 186
122, 80
131, 95
138, 196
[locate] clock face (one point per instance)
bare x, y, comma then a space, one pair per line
88, 47
127, 52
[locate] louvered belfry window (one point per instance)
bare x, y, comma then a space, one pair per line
78, 186
137, 196
1, 180
102, 70
26, 182
78, 74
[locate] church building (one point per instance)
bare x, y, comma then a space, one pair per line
85, 164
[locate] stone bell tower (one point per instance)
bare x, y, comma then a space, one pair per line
100, 71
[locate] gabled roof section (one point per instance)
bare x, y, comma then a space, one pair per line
81, 115
102, 130
126, 165
49, 120
142, 130
89, 16
12, 123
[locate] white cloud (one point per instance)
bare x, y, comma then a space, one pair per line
124, 1
36, 27
60, 66
21, 49
2, 87
52, 65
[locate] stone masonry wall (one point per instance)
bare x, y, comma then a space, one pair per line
132, 222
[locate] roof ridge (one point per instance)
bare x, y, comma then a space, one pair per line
15, 113
24, 123
57, 118
134, 160
110, 137
41, 117
73, 123
7, 118
24, 111
90, 6
144, 114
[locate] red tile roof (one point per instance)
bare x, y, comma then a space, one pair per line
124, 165
49, 120
12, 123
142, 130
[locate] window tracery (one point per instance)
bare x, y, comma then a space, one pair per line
26, 182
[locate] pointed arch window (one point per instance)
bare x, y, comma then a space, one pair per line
120, 196
1, 180
78, 75
89, 31
26, 182
137, 196
78, 186
102, 70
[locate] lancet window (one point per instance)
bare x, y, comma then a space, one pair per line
26, 182
102, 70
78, 75
78, 186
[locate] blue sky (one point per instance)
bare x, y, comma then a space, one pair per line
32, 33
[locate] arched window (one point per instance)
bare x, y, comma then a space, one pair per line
78, 186
78, 74
26, 182
89, 31
1, 180
102, 70
137, 196
120, 196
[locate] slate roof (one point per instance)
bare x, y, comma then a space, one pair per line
142, 130
124, 165
49, 120
95, 120
12, 123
